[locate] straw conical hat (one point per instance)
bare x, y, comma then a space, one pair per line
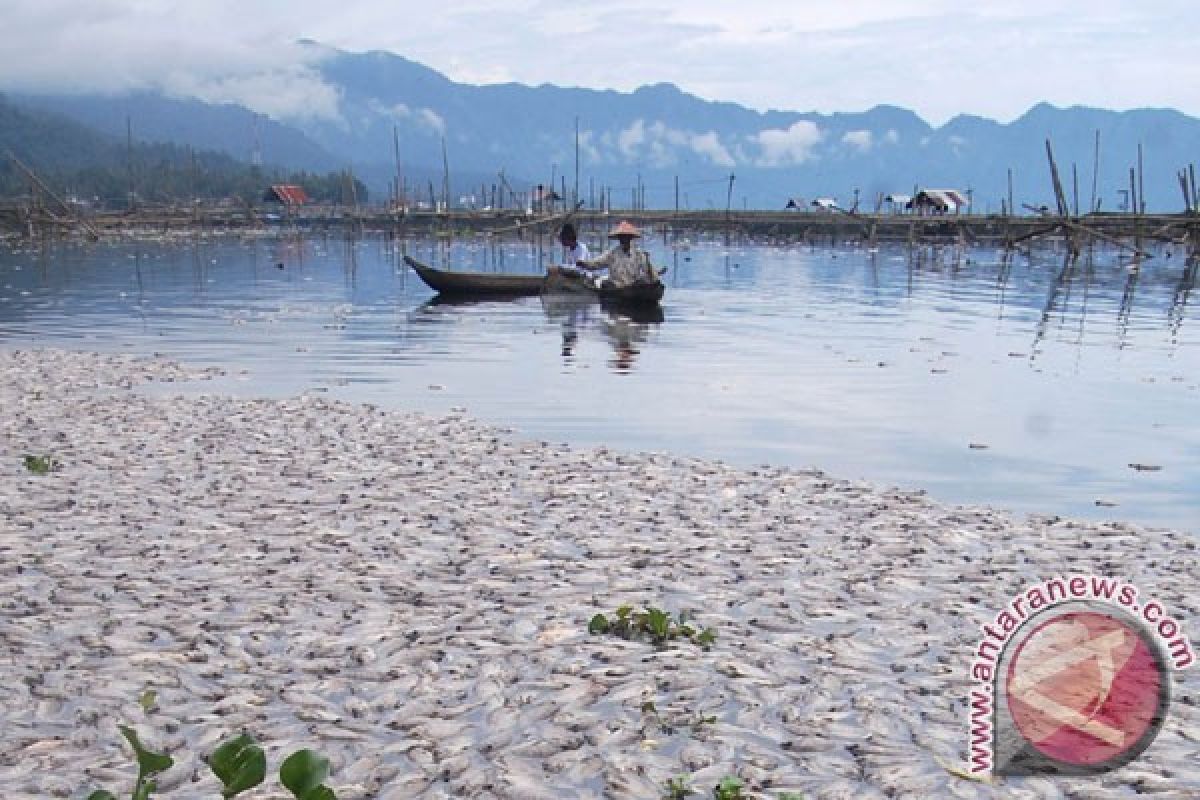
624, 228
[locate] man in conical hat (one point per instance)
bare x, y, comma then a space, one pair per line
627, 264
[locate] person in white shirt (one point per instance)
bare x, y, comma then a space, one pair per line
573, 250
574, 254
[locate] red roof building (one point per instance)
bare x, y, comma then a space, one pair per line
288, 194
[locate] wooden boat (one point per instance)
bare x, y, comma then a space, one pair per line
476, 283
502, 285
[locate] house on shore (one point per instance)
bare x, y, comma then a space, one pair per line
898, 203
286, 194
939, 201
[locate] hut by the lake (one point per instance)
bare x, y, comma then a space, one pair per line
286, 194
898, 203
939, 201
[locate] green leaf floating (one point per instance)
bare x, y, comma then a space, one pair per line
240, 764
598, 624
659, 623
303, 773
149, 764
101, 794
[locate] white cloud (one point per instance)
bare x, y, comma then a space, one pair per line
631, 138
779, 148
400, 112
296, 93
231, 49
709, 145
432, 120
860, 140
215, 51
589, 151
660, 145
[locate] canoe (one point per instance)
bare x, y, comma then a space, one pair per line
441, 280
499, 284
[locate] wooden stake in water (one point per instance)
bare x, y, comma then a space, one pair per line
400, 200
1075, 185
445, 176
129, 159
1011, 208
1060, 198
1141, 184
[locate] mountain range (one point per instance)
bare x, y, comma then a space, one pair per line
656, 137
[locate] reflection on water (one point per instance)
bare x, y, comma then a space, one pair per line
1026, 380
625, 326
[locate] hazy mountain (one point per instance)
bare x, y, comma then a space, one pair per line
155, 117
78, 161
659, 132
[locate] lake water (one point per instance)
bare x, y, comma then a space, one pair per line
1015, 383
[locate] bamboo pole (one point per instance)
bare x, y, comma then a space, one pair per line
1059, 197
1141, 183
400, 199
1011, 207
1075, 186
445, 176
40, 184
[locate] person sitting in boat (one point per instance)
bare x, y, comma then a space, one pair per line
627, 264
574, 252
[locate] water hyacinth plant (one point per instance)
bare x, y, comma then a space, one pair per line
650, 624
729, 788
239, 763
678, 789
41, 465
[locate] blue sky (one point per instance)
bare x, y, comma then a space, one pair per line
937, 57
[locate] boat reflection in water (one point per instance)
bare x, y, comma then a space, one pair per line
626, 326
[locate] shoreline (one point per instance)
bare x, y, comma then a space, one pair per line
409, 594
1127, 232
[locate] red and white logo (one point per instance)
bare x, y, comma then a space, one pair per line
1086, 689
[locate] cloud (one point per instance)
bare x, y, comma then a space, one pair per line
426, 118
230, 49
780, 148
211, 51
660, 145
861, 140
709, 145
289, 93
631, 138
589, 150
